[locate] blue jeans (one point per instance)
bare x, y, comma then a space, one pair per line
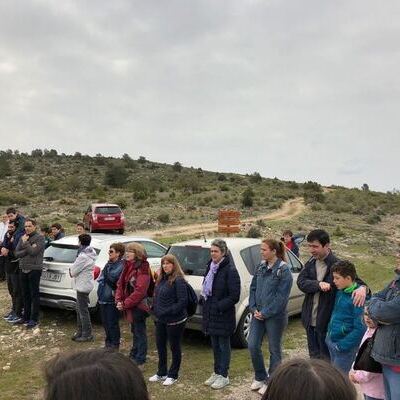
222, 354
273, 328
316, 344
110, 320
391, 380
341, 359
138, 351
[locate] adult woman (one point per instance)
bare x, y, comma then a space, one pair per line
220, 293
131, 298
170, 310
106, 294
269, 295
384, 308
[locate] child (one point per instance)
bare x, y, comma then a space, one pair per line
82, 272
345, 328
371, 383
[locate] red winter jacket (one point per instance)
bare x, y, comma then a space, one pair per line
132, 286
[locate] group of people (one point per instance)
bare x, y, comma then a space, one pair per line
336, 301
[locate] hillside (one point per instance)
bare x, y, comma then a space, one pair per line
57, 187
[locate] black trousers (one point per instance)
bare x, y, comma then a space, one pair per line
15, 291
172, 334
317, 347
30, 287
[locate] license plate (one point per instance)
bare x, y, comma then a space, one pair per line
51, 276
109, 219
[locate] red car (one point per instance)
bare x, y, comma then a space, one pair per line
104, 217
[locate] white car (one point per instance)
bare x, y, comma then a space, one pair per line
245, 254
56, 286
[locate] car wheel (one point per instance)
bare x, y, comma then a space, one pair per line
239, 338
121, 231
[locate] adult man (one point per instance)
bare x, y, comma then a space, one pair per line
3, 231
316, 281
57, 231
29, 250
14, 215
12, 270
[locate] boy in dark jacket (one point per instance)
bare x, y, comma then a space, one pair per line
106, 294
346, 328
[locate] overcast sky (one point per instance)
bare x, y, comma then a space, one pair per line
300, 90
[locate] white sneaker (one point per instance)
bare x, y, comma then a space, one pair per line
157, 378
220, 382
263, 389
169, 381
211, 379
256, 385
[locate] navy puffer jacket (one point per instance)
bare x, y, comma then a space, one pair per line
219, 316
170, 301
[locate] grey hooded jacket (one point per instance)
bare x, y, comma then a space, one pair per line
82, 270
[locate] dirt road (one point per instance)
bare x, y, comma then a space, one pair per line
289, 209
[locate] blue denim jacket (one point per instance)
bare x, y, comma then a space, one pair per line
384, 308
270, 289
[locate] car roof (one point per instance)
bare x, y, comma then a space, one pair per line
104, 205
232, 243
98, 239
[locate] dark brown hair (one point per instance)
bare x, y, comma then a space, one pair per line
177, 271
119, 248
345, 268
278, 246
313, 379
98, 374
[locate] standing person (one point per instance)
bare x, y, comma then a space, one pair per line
220, 293
82, 272
316, 281
57, 231
371, 383
14, 215
384, 308
13, 276
170, 310
106, 295
45, 232
3, 231
345, 329
80, 228
29, 250
269, 296
131, 298
290, 243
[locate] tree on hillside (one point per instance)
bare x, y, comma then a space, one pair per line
248, 197
255, 178
365, 187
5, 169
177, 167
116, 176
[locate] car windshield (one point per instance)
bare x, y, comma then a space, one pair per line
107, 210
63, 253
193, 259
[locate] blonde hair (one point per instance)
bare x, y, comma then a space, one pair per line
140, 252
177, 270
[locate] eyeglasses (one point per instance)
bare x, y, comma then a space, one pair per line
111, 251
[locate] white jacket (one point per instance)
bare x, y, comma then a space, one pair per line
82, 270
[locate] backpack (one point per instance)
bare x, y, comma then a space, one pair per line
192, 300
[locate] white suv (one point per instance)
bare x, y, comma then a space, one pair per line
245, 254
56, 286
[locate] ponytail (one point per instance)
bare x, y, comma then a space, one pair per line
278, 246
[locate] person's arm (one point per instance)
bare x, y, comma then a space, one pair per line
33, 249
139, 293
280, 300
233, 291
363, 376
78, 266
385, 312
305, 283
252, 294
360, 295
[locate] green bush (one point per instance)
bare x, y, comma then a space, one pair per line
123, 203
7, 199
116, 176
248, 197
373, 219
27, 166
254, 232
164, 218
